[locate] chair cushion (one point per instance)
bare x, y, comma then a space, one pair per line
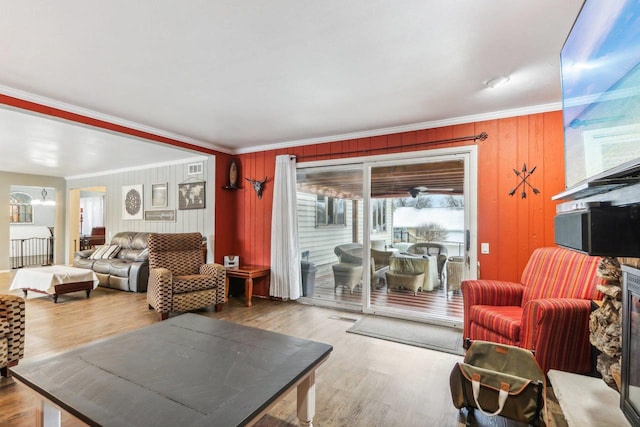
179, 252
102, 266
120, 268
560, 273
193, 282
503, 320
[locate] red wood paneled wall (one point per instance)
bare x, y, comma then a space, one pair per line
512, 226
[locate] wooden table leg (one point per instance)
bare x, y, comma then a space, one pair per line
307, 399
248, 290
226, 289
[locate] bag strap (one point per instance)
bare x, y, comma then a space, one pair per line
502, 395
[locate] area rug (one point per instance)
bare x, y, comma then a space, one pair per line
418, 334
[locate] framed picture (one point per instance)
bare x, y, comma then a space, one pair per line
159, 194
132, 202
165, 215
192, 195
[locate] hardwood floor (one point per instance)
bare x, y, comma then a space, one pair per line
365, 381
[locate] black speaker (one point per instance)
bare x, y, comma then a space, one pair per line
600, 231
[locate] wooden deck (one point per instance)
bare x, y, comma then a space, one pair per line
435, 304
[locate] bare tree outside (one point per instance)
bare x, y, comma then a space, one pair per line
453, 202
432, 232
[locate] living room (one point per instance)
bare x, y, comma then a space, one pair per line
238, 222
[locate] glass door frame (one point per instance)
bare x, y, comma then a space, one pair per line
468, 153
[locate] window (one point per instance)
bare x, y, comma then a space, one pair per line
379, 214
20, 209
330, 211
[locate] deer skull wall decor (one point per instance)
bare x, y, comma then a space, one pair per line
258, 186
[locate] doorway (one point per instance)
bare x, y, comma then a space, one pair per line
32, 220
395, 219
86, 213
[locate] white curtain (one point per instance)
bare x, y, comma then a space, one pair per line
92, 213
285, 253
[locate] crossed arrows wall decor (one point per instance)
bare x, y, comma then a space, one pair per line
524, 175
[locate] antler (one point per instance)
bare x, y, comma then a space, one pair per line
255, 181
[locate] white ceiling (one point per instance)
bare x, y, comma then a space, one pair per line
241, 76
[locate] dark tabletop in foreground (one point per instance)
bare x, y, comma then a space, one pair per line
185, 371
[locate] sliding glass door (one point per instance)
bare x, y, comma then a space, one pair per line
419, 214
330, 224
390, 235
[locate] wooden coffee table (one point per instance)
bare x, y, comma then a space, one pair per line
248, 273
55, 280
189, 370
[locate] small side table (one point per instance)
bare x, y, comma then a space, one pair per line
248, 273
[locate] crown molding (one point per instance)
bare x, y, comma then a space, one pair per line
70, 108
26, 96
535, 109
137, 168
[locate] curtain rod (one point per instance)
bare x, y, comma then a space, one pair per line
482, 136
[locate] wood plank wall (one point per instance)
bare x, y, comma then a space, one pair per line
512, 226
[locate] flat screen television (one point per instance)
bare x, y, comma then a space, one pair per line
600, 68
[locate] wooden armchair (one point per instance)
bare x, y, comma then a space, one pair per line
97, 236
12, 321
179, 279
547, 312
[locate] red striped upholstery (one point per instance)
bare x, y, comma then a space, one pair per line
559, 323
503, 320
487, 335
547, 312
560, 273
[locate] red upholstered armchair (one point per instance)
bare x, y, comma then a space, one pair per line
547, 312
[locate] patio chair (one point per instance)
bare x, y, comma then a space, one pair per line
454, 268
346, 275
429, 248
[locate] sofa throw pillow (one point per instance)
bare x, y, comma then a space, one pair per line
100, 250
111, 252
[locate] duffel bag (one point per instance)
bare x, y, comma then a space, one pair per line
499, 379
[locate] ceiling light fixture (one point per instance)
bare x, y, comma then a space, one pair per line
498, 81
44, 201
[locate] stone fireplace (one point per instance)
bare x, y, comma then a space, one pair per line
605, 324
